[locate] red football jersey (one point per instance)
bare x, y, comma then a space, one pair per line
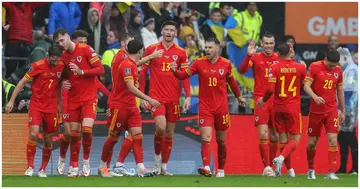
288, 77
82, 87
164, 86
260, 64
324, 84
213, 95
118, 58
45, 85
122, 97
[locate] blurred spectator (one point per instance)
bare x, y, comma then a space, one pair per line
156, 11
118, 21
213, 27
39, 48
135, 24
353, 48
64, 15
245, 28
137, 6
179, 13
106, 82
291, 39
98, 6
113, 47
347, 135
333, 43
20, 103
97, 32
19, 32
188, 36
148, 33
80, 36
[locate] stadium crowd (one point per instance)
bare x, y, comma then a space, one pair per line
29, 28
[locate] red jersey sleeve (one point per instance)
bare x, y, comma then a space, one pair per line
32, 72
184, 65
340, 82
145, 67
246, 64
193, 69
97, 67
126, 72
310, 76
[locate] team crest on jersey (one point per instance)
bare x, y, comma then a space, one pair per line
336, 75
125, 56
58, 74
118, 125
221, 71
127, 71
153, 109
30, 119
201, 121
175, 57
257, 118
79, 58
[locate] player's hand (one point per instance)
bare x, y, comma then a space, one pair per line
108, 112
241, 101
66, 84
187, 104
252, 48
75, 68
260, 102
342, 117
154, 103
157, 53
173, 66
9, 107
144, 104
319, 100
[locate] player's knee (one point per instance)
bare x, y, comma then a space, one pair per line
170, 133
263, 134
332, 141
114, 135
311, 145
220, 141
160, 129
33, 135
206, 137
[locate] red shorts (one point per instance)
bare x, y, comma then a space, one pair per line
123, 119
171, 110
288, 122
220, 120
49, 121
329, 120
80, 110
263, 115
64, 116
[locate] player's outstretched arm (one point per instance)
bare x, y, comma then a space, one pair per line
247, 63
18, 88
102, 88
310, 92
131, 87
179, 74
236, 90
146, 59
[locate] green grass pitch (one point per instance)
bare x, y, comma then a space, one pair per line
179, 180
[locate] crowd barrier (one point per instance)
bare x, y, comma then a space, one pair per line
243, 155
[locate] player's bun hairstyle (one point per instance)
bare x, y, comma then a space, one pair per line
283, 49
268, 35
55, 50
213, 39
332, 55
169, 22
134, 46
79, 33
125, 36
60, 31
215, 10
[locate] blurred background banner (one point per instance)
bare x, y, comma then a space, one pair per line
313, 23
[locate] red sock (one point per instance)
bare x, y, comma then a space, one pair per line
125, 148
166, 149
221, 154
157, 142
109, 159
30, 152
74, 148
138, 150
264, 151
86, 141
273, 146
205, 152
289, 148
46, 154
109, 144
287, 160
332, 158
64, 145
310, 157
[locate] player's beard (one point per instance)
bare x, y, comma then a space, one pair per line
169, 39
